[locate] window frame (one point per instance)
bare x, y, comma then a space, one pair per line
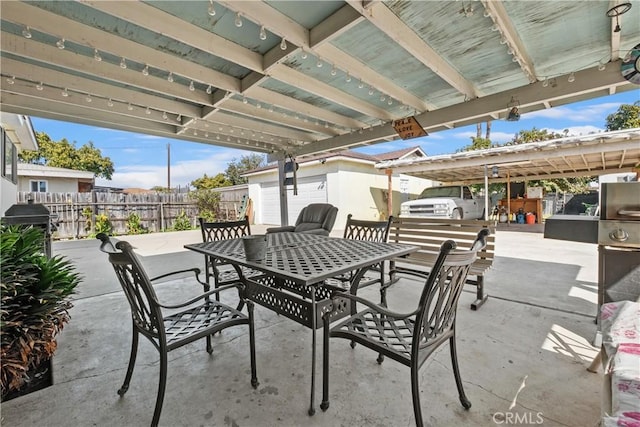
9, 158
38, 183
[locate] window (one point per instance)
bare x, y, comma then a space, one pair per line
466, 193
38, 186
9, 158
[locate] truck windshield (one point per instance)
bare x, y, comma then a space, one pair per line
440, 192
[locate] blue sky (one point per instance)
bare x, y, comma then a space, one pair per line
141, 160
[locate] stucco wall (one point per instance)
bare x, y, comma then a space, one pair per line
54, 185
354, 187
8, 196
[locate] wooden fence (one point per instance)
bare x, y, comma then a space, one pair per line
75, 213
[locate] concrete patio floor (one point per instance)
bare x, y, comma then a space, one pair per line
524, 352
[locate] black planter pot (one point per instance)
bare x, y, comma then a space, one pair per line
40, 377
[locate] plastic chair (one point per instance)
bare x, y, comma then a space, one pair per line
410, 338
199, 317
371, 231
316, 218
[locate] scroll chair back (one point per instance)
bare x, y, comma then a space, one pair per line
371, 231
221, 272
198, 317
410, 338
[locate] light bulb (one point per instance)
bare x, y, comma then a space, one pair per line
510, 51
123, 63
110, 103
627, 57
382, 98
192, 86
602, 66
206, 134
319, 64
487, 14
334, 71
209, 90
283, 44
258, 105
545, 83
60, 44
572, 78
170, 77
360, 85
26, 32
303, 54
96, 55
271, 109
238, 21
179, 118
11, 80
145, 70
263, 33
495, 27
129, 107
88, 98
147, 111
370, 91
164, 115
390, 101
245, 100
195, 132
40, 86
348, 78
503, 40
211, 10
65, 93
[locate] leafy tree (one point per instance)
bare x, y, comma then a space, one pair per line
535, 135
208, 182
245, 164
627, 116
63, 154
208, 203
160, 189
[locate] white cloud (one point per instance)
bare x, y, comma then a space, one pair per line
182, 172
577, 130
496, 137
596, 113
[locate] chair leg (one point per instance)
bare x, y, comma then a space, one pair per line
132, 363
415, 394
162, 384
325, 363
456, 373
252, 346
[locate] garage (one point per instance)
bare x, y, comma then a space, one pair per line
312, 189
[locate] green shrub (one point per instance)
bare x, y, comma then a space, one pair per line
35, 291
208, 203
103, 225
134, 224
182, 222
87, 213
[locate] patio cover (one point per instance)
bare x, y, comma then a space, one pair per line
587, 155
304, 77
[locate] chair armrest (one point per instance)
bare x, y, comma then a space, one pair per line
374, 306
281, 229
319, 231
195, 270
199, 297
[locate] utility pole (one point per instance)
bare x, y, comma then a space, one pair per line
168, 167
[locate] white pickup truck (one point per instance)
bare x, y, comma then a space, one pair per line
451, 201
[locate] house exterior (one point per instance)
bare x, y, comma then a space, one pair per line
16, 134
347, 180
47, 179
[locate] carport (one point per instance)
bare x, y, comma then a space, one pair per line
587, 155
296, 78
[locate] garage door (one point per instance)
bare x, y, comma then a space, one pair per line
311, 189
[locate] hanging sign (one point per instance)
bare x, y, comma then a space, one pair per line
408, 128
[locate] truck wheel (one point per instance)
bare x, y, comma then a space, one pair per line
457, 214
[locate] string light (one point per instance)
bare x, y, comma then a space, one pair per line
96, 55
245, 100
348, 78
602, 66
40, 86
211, 10
26, 32
179, 118
192, 86
164, 115
11, 80
170, 77
60, 44
88, 98
65, 93
238, 20
263, 33
334, 71
572, 78
129, 107
145, 70
360, 85
123, 63
283, 44
147, 111
209, 90
303, 54
109, 103
319, 64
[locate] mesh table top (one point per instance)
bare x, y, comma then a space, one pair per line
305, 258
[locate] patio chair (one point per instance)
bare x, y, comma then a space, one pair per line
410, 338
371, 231
223, 273
198, 317
316, 218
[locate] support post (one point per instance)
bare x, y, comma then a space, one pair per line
284, 207
389, 173
486, 193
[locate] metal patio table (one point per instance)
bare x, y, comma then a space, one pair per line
290, 279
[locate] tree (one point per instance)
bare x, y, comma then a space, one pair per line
627, 116
245, 164
63, 154
208, 182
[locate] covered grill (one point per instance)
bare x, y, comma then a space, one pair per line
34, 214
619, 242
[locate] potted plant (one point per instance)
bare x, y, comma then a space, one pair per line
35, 294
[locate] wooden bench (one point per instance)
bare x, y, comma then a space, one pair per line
429, 234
